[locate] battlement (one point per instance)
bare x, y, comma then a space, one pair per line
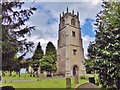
69, 13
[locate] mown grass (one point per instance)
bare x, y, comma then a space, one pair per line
42, 84
55, 82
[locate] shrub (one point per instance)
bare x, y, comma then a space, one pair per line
83, 77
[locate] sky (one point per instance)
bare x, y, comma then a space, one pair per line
46, 21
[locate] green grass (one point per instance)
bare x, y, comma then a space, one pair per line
22, 77
42, 84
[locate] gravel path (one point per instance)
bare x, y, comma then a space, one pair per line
62, 78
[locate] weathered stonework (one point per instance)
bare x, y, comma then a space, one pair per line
70, 49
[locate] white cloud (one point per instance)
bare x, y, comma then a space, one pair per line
86, 41
50, 11
95, 2
62, 0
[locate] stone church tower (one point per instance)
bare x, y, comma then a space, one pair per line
70, 49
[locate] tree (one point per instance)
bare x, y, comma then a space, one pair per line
50, 49
48, 62
14, 28
104, 52
38, 54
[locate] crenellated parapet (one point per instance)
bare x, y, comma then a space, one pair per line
69, 18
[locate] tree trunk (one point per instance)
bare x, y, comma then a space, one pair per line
19, 73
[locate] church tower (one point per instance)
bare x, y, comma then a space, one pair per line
70, 49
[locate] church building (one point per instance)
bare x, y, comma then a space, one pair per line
70, 50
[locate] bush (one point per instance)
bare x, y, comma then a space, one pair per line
83, 77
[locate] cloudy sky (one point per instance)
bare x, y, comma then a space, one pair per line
46, 20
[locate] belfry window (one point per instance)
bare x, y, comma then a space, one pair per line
73, 21
63, 23
73, 33
74, 51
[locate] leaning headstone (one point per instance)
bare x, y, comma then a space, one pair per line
76, 79
92, 80
68, 82
8, 88
87, 86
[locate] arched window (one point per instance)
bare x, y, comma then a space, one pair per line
73, 21
63, 23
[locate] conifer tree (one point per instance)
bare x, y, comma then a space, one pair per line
14, 28
50, 49
38, 54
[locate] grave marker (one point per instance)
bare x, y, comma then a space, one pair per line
68, 82
87, 86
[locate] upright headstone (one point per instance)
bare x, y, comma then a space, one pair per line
87, 86
68, 82
76, 79
44, 74
92, 80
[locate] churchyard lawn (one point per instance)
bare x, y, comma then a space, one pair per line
45, 83
25, 81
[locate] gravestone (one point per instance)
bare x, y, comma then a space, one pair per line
76, 79
68, 83
92, 80
44, 74
8, 88
87, 86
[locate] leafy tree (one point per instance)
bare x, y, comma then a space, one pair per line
14, 28
104, 52
48, 62
38, 54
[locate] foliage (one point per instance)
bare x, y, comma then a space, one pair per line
14, 31
104, 52
50, 49
38, 54
48, 63
84, 77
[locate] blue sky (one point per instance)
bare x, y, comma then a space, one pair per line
87, 28
46, 21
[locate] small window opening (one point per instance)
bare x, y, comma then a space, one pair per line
74, 51
73, 33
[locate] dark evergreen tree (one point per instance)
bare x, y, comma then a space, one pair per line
38, 54
104, 52
13, 28
50, 49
